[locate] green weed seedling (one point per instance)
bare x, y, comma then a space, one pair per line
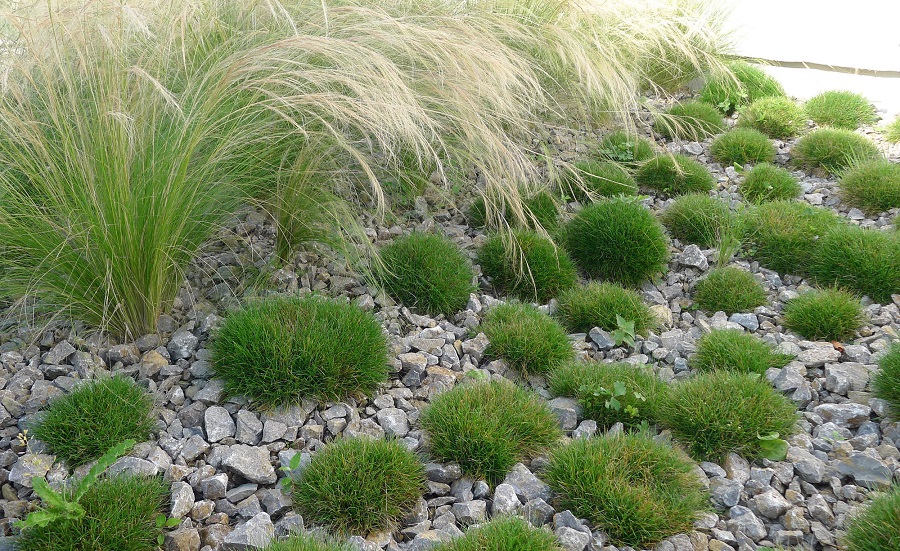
624, 332
772, 447
593, 397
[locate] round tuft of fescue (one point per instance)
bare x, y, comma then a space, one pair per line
98, 414
595, 386
840, 109
826, 315
596, 304
834, 149
777, 117
427, 271
767, 182
721, 412
529, 340
623, 147
603, 179
503, 534
866, 261
872, 186
675, 175
886, 384
354, 486
748, 84
874, 526
699, 218
735, 350
487, 427
892, 130
527, 266
539, 208
692, 121
633, 488
729, 290
307, 542
278, 351
741, 146
619, 240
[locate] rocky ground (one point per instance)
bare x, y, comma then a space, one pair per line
223, 459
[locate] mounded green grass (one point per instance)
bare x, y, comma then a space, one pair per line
775, 116
530, 341
594, 384
872, 186
741, 146
306, 542
120, 514
619, 240
826, 314
675, 175
875, 527
720, 412
766, 182
886, 384
604, 179
596, 304
866, 261
277, 351
503, 534
98, 414
840, 109
531, 268
692, 120
834, 149
748, 85
699, 218
636, 490
621, 147
892, 131
354, 486
489, 426
540, 207
737, 351
427, 271
729, 290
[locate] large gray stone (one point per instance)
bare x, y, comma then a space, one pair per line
250, 462
571, 539
506, 502
218, 423
742, 519
526, 485
849, 414
59, 353
470, 512
841, 378
567, 410
771, 504
394, 422
692, 256
818, 356
809, 467
865, 470
182, 345
29, 466
255, 533
249, 429
182, 499
133, 465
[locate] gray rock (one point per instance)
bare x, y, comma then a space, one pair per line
742, 519
506, 502
571, 539
59, 353
128, 354
841, 378
789, 378
602, 339
567, 410
394, 422
255, 533
694, 148
212, 392
290, 523
183, 539
242, 492
809, 467
818, 356
470, 512
367, 428
865, 470
215, 486
445, 474
218, 423
692, 256
133, 465
182, 499
182, 345
527, 486
538, 512
248, 429
849, 414
725, 492
749, 321
29, 466
194, 447
771, 504
820, 510
251, 463
586, 429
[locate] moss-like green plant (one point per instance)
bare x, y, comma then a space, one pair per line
827, 314
729, 290
617, 239
277, 351
604, 179
892, 130
626, 148
834, 149
488, 427
886, 384
741, 146
873, 186
745, 85
699, 218
539, 207
359, 485
735, 350
529, 340
767, 182
584, 307
307, 542
775, 116
866, 261
875, 526
692, 120
527, 266
636, 490
720, 412
840, 109
503, 534
675, 175
427, 271
80, 426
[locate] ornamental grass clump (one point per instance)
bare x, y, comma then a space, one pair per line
589, 179
355, 486
675, 175
503, 534
834, 150
777, 117
874, 526
872, 186
307, 542
892, 131
700, 219
826, 315
767, 182
744, 85
721, 412
866, 261
692, 120
529, 340
278, 351
487, 427
633, 488
886, 383
98, 414
737, 351
729, 290
840, 109
741, 146
537, 209
597, 304
626, 148
527, 266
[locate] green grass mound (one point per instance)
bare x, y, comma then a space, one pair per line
120, 514
489, 427
603, 179
530, 341
782, 235
692, 120
840, 109
675, 175
597, 304
82, 425
886, 384
427, 271
892, 131
729, 290
766, 182
619, 240
735, 350
503, 534
777, 117
834, 149
699, 219
306, 542
635, 489
872, 186
826, 315
531, 268
625, 148
720, 412
748, 85
277, 351
741, 146
875, 526
610, 393
538, 207
359, 485
866, 261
